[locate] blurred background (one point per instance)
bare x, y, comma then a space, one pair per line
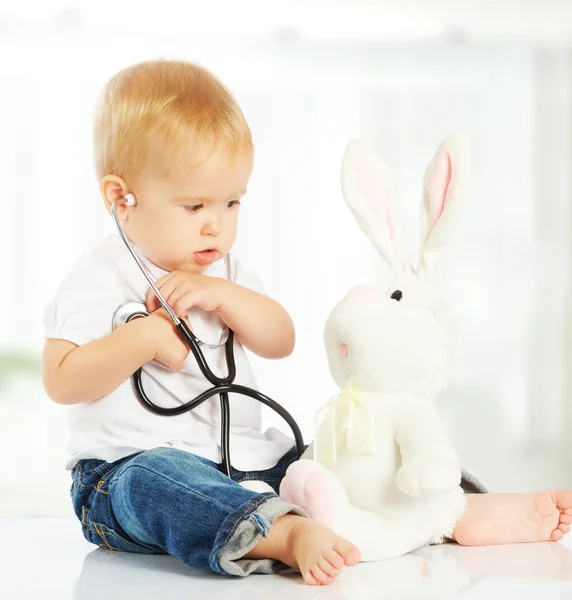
311, 75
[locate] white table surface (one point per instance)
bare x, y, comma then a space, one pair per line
49, 558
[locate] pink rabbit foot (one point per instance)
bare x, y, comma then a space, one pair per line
311, 486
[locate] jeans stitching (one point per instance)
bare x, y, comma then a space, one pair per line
99, 530
101, 469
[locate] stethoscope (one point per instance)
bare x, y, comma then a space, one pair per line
221, 385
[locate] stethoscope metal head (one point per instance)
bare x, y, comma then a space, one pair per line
127, 312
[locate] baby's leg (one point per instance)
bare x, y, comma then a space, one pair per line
169, 499
512, 518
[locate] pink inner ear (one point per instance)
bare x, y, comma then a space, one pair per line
344, 350
372, 190
439, 186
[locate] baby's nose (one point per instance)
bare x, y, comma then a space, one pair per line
211, 227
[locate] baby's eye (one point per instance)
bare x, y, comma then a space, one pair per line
233, 203
193, 208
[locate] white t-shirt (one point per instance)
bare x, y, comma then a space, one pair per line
117, 425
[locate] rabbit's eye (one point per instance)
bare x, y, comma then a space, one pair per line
397, 295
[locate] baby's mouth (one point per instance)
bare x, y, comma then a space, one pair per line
205, 257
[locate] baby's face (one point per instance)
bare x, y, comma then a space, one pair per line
187, 218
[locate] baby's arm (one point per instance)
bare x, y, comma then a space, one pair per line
74, 374
260, 323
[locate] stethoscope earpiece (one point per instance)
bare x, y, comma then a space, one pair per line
130, 200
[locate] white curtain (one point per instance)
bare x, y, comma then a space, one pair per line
506, 274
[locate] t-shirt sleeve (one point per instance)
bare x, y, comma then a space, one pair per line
83, 306
247, 278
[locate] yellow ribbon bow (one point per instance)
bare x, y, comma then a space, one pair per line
344, 424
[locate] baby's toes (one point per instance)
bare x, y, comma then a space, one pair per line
566, 519
334, 559
309, 578
556, 536
563, 500
564, 528
322, 577
328, 568
353, 558
347, 551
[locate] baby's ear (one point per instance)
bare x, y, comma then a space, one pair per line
112, 188
368, 188
444, 196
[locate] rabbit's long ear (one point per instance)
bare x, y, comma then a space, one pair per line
444, 196
368, 188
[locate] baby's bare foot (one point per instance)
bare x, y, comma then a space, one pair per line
306, 545
319, 553
513, 518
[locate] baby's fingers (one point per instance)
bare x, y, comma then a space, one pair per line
185, 303
151, 301
171, 286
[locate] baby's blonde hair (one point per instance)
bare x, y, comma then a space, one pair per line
149, 106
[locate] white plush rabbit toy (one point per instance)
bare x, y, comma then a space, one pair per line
382, 471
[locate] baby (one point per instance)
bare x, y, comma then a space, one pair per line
172, 135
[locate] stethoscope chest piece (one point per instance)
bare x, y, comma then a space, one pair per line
127, 312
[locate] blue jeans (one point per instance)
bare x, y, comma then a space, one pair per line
167, 501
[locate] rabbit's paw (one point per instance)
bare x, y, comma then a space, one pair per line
431, 475
314, 488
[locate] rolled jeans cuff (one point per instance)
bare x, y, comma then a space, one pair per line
243, 529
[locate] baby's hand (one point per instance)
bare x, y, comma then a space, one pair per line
184, 290
169, 348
